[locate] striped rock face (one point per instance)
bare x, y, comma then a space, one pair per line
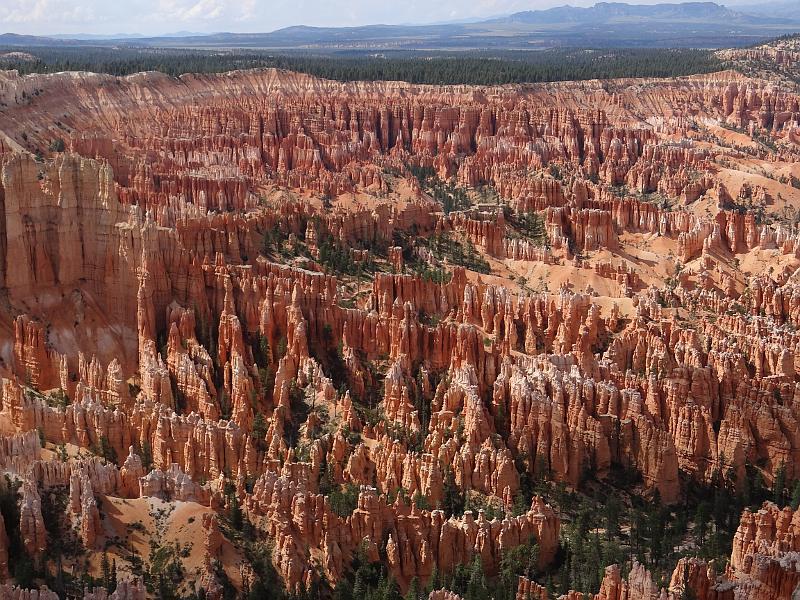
261, 329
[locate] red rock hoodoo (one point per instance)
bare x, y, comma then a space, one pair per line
237, 324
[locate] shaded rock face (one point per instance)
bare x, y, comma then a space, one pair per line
765, 553
58, 231
161, 315
126, 590
4, 542
762, 565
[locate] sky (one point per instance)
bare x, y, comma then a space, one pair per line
154, 17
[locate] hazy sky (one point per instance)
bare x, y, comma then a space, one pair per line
43, 17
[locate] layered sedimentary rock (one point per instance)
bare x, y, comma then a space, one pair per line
126, 590
187, 303
762, 565
765, 553
31, 523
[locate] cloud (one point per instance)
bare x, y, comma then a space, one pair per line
37, 11
248, 9
43, 17
156, 16
189, 10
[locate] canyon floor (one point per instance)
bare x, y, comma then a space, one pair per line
265, 335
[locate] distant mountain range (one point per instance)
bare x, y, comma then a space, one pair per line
789, 9
120, 36
611, 12
606, 24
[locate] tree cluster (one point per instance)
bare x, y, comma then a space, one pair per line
480, 68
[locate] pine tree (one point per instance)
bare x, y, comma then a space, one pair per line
796, 495
476, 585
392, 590
105, 567
259, 429
112, 583
235, 514
434, 583
612, 513
257, 591
147, 457
359, 586
780, 484
453, 497
413, 592
688, 593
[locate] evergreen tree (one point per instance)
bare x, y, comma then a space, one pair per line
434, 583
701, 522
500, 68
392, 590
147, 457
612, 511
453, 498
476, 585
413, 592
258, 591
344, 590
112, 582
105, 568
24, 571
360, 586
235, 514
779, 485
796, 495
259, 429
687, 593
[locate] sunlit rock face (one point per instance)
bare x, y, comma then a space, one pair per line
241, 297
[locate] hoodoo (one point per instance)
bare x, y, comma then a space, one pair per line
267, 334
